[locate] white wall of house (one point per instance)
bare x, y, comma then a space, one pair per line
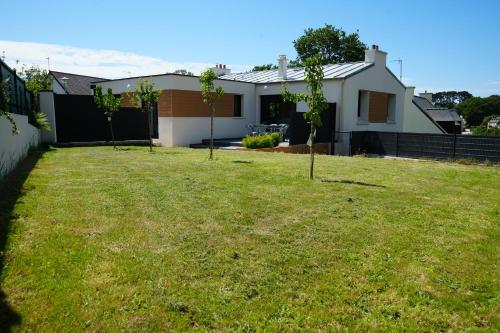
183, 131
376, 78
415, 121
332, 89
15, 147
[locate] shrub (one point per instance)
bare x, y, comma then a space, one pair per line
261, 141
483, 130
276, 136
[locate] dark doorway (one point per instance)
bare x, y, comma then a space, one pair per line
300, 129
79, 120
273, 110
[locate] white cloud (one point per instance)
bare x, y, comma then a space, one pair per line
494, 82
94, 62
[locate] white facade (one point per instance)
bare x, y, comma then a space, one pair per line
344, 91
15, 147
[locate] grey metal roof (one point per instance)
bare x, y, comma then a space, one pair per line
333, 71
75, 84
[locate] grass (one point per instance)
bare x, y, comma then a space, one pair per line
127, 240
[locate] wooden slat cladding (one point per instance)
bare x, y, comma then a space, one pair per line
127, 100
379, 107
188, 103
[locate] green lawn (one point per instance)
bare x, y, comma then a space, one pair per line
101, 240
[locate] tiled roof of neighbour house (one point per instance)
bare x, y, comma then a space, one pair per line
443, 114
75, 84
333, 71
437, 114
422, 102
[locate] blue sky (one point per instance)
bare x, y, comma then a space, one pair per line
443, 44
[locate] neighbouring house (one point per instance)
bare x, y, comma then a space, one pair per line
362, 96
494, 122
72, 84
448, 119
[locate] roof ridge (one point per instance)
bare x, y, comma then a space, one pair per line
92, 77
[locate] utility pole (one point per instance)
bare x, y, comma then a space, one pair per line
48, 63
3, 56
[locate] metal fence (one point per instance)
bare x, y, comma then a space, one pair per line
416, 145
20, 97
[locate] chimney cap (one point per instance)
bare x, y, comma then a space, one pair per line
375, 47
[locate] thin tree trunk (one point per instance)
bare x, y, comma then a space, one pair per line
112, 132
150, 129
211, 134
311, 150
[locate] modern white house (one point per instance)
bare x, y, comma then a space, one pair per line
363, 96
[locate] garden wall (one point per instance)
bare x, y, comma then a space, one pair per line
14, 148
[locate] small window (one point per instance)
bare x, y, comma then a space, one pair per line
237, 106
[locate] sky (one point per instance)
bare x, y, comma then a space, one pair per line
444, 45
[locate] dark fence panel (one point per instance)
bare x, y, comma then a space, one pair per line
20, 97
438, 146
79, 120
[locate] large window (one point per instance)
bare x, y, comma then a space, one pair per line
376, 107
238, 107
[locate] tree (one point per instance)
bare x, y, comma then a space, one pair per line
145, 97
334, 44
450, 99
475, 109
37, 80
109, 103
265, 67
316, 101
4, 104
210, 95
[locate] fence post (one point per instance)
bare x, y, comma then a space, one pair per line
397, 144
350, 143
454, 145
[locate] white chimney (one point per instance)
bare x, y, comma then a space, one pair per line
376, 56
282, 67
221, 69
426, 95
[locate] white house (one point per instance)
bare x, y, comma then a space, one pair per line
363, 96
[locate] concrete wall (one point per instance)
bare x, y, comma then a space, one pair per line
182, 131
13, 148
47, 107
415, 121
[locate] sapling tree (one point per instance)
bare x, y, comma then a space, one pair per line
109, 103
145, 97
4, 103
210, 96
316, 101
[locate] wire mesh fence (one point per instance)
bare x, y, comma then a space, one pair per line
436, 146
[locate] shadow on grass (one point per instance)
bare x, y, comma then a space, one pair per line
351, 182
11, 190
243, 162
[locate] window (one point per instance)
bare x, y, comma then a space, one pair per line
237, 106
363, 101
